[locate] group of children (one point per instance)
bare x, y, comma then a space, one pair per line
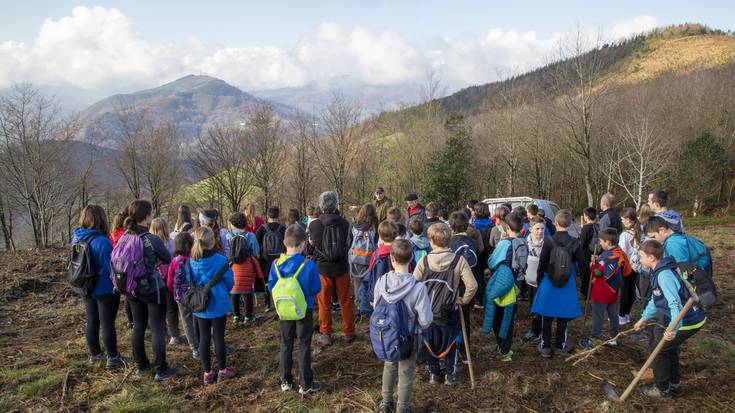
414, 259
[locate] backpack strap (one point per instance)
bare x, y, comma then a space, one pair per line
217, 277
295, 275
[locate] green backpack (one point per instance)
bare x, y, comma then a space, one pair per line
288, 296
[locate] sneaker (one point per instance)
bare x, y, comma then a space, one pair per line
434, 379
611, 343
97, 358
623, 319
655, 392
115, 362
585, 343
166, 374
237, 320
349, 339
530, 336
545, 352
387, 407
142, 368
248, 321
451, 379
195, 354
210, 377
175, 341
479, 306
226, 374
129, 325
506, 357
268, 309
229, 350
286, 386
564, 351
335, 305
324, 339
676, 390
315, 387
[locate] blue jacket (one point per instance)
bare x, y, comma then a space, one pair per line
205, 269
309, 279
499, 284
669, 295
101, 248
683, 249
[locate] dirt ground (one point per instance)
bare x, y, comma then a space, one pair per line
43, 361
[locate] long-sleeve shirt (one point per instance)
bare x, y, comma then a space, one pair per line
670, 288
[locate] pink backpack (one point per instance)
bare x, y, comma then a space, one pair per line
128, 263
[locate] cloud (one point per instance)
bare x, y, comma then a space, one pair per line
99, 49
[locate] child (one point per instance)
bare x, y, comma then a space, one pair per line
668, 298
294, 217
432, 215
441, 272
399, 285
682, 248
177, 282
207, 264
463, 244
500, 293
159, 228
630, 242
270, 238
210, 218
535, 242
294, 264
379, 265
533, 211
421, 245
590, 246
554, 302
484, 226
364, 241
607, 278
245, 268
496, 234
396, 216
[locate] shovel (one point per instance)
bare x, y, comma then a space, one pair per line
608, 389
467, 348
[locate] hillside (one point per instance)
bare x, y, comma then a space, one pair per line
678, 49
193, 103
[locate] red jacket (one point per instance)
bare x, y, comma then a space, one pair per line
115, 236
245, 275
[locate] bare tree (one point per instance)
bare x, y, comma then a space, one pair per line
577, 79
132, 127
160, 162
221, 156
301, 159
265, 136
33, 133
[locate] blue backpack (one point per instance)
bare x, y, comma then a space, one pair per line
380, 267
391, 332
699, 254
465, 246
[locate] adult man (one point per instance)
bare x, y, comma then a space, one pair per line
414, 208
609, 218
382, 203
329, 235
658, 200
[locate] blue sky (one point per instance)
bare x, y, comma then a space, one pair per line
105, 46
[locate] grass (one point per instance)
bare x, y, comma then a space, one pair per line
21, 375
42, 385
143, 399
6, 403
705, 221
712, 346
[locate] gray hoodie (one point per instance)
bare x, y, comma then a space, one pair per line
394, 287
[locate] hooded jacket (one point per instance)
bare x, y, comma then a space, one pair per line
500, 284
394, 287
329, 268
421, 245
439, 260
203, 270
101, 248
309, 279
673, 219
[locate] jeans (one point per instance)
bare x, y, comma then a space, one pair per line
342, 287
212, 328
144, 312
666, 367
191, 329
172, 315
402, 373
547, 324
101, 310
303, 330
249, 304
598, 318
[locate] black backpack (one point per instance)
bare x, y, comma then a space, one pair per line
82, 277
594, 244
334, 242
440, 288
561, 261
697, 279
239, 249
465, 246
272, 243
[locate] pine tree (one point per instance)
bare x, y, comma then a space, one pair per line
448, 174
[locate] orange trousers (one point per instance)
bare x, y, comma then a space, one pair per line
343, 285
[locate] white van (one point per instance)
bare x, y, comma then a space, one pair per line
549, 207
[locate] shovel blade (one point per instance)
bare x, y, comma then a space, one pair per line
610, 393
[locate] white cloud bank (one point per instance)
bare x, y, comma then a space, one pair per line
98, 49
